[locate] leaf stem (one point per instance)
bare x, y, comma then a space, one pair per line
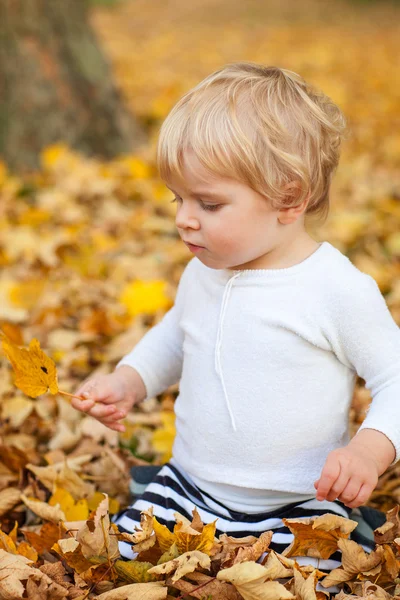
188, 594
72, 395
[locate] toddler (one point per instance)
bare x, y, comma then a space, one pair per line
269, 328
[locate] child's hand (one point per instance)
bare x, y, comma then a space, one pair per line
350, 474
110, 397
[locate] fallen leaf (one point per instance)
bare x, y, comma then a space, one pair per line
8, 499
249, 578
43, 510
317, 537
98, 537
211, 587
137, 591
185, 563
134, 571
354, 561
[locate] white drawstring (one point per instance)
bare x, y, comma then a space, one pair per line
218, 367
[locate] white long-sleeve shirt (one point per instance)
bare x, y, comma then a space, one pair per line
267, 361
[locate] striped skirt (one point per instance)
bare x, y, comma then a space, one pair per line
171, 492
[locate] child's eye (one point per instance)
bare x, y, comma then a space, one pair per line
204, 206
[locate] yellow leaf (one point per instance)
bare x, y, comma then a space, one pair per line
52, 154
25, 294
185, 536
134, 571
163, 437
35, 372
200, 541
136, 167
74, 511
3, 172
164, 537
147, 297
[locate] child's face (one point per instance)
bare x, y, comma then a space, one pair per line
236, 226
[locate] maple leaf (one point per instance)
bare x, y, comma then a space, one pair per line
317, 537
35, 372
185, 536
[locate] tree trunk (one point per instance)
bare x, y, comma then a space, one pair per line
56, 86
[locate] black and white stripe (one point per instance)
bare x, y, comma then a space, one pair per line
171, 492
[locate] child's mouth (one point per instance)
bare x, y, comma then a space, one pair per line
194, 248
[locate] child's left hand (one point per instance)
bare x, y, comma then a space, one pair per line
351, 473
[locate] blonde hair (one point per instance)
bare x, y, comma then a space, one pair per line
262, 126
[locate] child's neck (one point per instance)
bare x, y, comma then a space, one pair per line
285, 255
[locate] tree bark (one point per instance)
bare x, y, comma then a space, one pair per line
56, 85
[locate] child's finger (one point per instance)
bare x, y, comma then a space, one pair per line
351, 490
363, 495
329, 475
82, 405
100, 410
115, 426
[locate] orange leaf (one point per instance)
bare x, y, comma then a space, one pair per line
317, 536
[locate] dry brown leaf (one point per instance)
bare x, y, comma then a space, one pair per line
212, 588
137, 591
367, 590
16, 569
97, 537
185, 563
144, 538
43, 510
49, 534
389, 530
8, 499
256, 550
71, 551
304, 586
63, 476
249, 578
354, 561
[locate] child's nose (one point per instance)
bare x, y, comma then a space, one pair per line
186, 219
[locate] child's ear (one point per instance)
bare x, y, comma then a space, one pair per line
291, 214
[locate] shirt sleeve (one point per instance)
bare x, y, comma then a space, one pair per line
367, 339
158, 356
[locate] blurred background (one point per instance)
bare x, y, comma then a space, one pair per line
89, 254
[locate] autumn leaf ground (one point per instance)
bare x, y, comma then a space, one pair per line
90, 279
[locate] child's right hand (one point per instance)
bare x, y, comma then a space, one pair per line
109, 398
